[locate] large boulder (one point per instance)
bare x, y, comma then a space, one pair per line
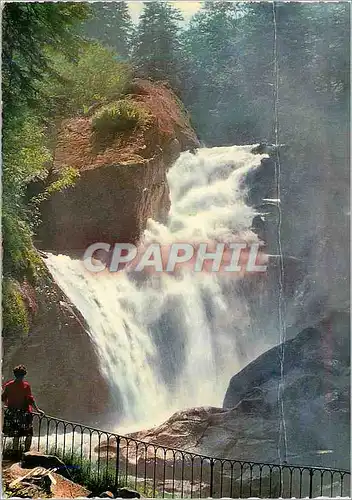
122, 180
312, 374
35, 459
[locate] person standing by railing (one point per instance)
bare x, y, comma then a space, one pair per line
18, 416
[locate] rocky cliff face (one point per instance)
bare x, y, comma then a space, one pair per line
316, 405
315, 394
61, 361
122, 181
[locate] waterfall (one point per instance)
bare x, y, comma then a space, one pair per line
172, 342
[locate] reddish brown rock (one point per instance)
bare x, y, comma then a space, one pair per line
122, 180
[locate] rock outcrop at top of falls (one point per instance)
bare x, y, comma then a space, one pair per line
122, 178
316, 405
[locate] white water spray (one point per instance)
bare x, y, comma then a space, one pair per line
174, 342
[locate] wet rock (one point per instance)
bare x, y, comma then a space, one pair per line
107, 494
122, 183
35, 459
127, 493
313, 372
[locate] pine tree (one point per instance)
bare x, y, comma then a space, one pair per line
111, 24
157, 49
229, 69
28, 29
212, 69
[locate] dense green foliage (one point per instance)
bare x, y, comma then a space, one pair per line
225, 65
112, 26
117, 116
27, 29
25, 156
157, 49
25, 153
231, 63
49, 72
94, 76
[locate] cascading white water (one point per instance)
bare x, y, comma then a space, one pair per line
174, 342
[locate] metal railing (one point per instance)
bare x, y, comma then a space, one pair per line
111, 461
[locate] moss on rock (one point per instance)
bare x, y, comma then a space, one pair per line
15, 315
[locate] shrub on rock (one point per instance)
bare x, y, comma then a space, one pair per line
118, 117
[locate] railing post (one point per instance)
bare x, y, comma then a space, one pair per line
39, 429
211, 486
117, 467
311, 473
